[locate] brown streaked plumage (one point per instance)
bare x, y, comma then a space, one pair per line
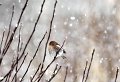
54, 47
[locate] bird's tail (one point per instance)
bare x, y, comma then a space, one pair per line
63, 57
64, 51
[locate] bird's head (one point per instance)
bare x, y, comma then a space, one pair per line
53, 43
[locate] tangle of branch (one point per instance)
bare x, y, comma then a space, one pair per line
89, 65
117, 71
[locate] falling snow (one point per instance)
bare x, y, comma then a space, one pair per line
72, 18
101, 60
70, 24
83, 24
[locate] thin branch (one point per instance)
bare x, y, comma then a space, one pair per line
13, 33
32, 31
8, 77
51, 22
5, 76
1, 56
43, 72
66, 74
8, 34
19, 41
21, 45
30, 35
18, 50
36, 72
9, 73
12, 67
84, 71
89, 65
55, 72
33, 57
19, 67
14, 30
117, 71
2, 41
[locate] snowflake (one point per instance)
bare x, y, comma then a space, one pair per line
72, 18
101, 60
70, 24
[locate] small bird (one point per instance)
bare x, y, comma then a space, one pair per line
54, 47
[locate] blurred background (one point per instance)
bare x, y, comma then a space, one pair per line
85, 24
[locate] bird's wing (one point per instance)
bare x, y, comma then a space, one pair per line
57, 43
58, 47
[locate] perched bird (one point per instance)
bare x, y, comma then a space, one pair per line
54, 47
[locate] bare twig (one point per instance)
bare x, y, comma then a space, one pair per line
36, 22
51, 22
12, 67
33, 57
8, 34
9, 74
84, 71
117, 71
89, 66
8, 77
13, 33
1, 56
66, 74
19, 66
43, 72
36, 72
1, 44
19, 41
55, 72
14, 30
21, 45
11, 37
18, 50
